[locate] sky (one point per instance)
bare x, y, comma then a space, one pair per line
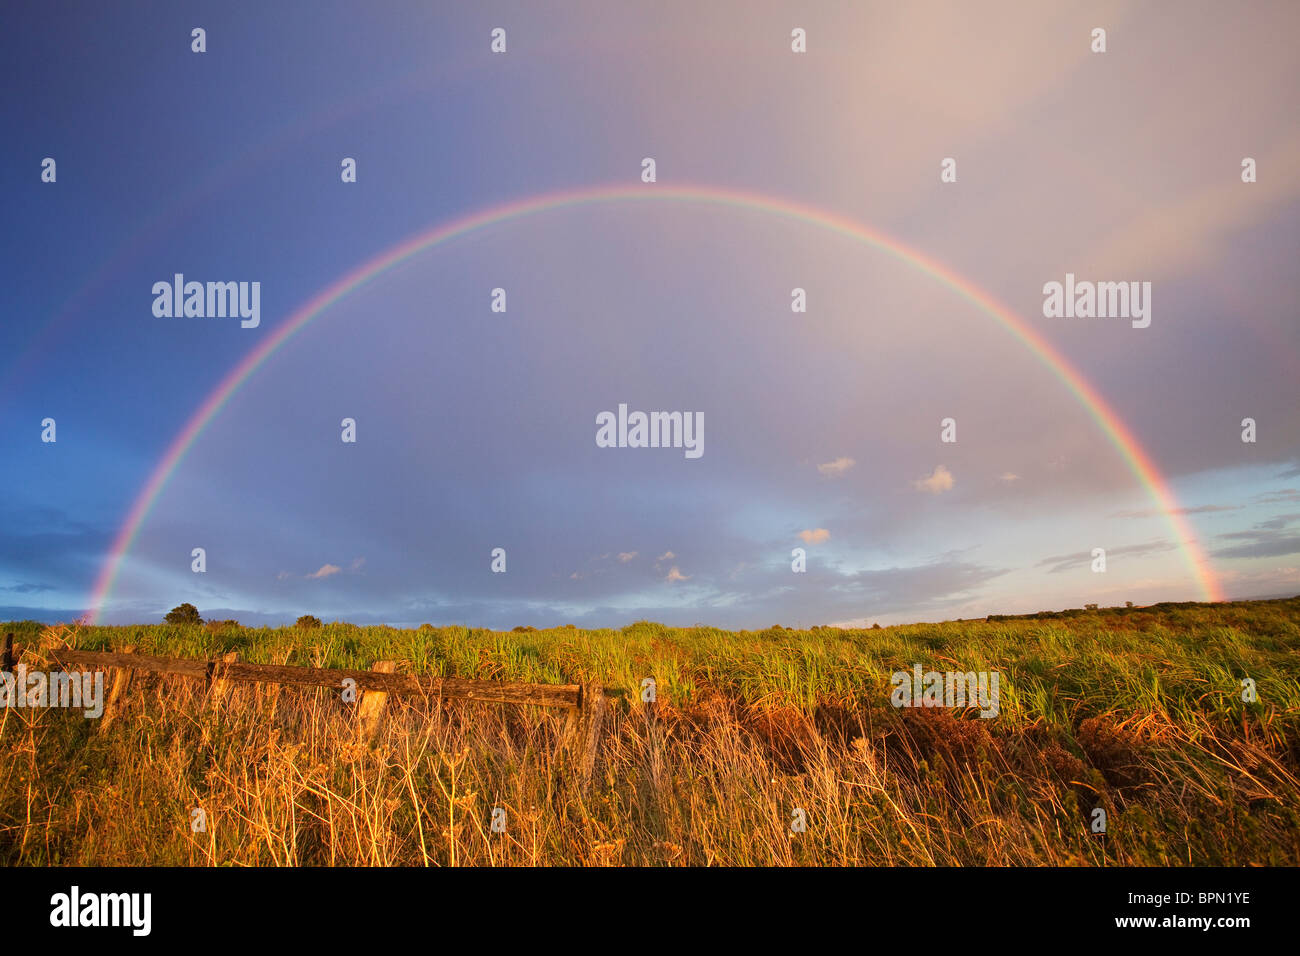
476, 429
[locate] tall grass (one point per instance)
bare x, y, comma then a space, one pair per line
1135, 711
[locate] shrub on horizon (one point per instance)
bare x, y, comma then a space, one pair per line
183, 614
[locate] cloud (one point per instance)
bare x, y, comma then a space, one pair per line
815, 535
939, 481
1155, 512
625, 556
29, 588
1268, 539
666, 556
1261, 529
1066, 562
46, 615
676, 575
939, 584
1195, 225
936, 586
324, 571
1277, 497
1279, 522
49, 543
836, 468
1266, 546
1008, 477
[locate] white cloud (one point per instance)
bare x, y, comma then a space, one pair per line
939, 481
675, 575
834, 469
666, 556
815, 536
625, 556
325, 571
1009, 476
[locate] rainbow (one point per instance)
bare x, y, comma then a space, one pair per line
1107, 420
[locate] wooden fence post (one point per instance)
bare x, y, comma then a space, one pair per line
268, 696
583, 731
221, 684
121, 681
370, 712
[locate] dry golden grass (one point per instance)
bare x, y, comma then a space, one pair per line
285, 778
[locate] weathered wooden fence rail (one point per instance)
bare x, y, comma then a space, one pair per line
586, 703
497, 692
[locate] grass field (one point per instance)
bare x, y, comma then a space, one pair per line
1137, 711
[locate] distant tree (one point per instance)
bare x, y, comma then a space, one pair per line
876, 626
183, 614
1128, 603
214, 625
523, 629
1090, 607
307, 622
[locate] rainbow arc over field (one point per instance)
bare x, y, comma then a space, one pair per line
1139, 462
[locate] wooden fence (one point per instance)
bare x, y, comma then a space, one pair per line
586, 703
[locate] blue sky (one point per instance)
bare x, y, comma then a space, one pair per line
476, 430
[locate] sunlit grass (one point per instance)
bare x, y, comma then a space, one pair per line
1137, 711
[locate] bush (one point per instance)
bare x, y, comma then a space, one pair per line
307, 621
213, 626
183, 614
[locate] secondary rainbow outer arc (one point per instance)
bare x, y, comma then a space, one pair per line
1105, 417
